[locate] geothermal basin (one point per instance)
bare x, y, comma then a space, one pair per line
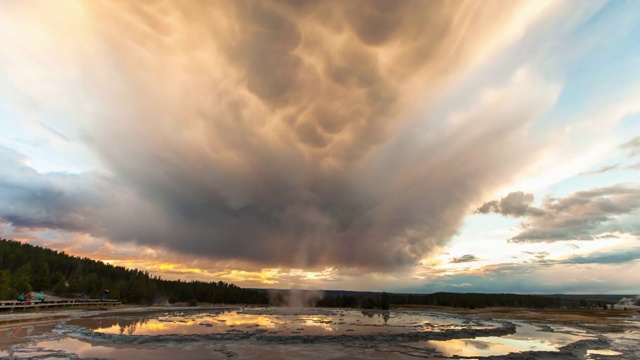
312, 333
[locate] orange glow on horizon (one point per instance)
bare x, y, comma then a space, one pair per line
264, 276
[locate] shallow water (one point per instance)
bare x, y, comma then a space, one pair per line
62, 348
591, 353
526, 338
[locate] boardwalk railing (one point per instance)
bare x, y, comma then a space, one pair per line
10, 305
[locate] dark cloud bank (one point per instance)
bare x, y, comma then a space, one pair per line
274, 132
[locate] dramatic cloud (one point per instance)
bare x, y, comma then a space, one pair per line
61, 201
279, 133
92, 202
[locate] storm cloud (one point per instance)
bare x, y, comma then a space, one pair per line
280, 133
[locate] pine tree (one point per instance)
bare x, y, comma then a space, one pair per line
21, 280
6, 291
385, 301
42, 279
60, 288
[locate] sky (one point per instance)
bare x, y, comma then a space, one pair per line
404, 146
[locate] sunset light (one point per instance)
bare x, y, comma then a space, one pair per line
407, 146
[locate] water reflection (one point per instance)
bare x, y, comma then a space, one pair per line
72, 348
526, 338
380, 313
274, 322
20, 333
487, 346
590, 353
24, 341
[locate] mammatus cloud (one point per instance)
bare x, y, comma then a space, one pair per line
270, 132
584, 215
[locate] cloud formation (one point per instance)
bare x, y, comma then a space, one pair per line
617, 257
595, 272
515, 204
279, 133
61, 201
633, 146
584, 215
464, 259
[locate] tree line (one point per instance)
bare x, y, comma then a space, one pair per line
457, 300
25, 268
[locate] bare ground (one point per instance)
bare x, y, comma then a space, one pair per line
597, 320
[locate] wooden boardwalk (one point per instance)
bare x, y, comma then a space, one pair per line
11, 305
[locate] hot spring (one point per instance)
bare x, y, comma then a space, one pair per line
265, 333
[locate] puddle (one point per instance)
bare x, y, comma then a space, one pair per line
602, 352
527, 338
17, 334
68, 348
